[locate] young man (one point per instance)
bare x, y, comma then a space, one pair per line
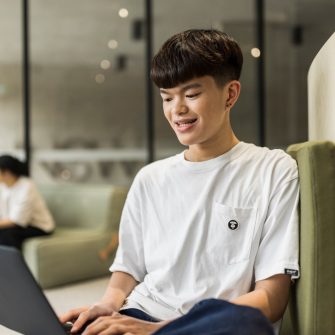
216, 223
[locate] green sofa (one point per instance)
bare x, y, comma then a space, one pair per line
85, 216
311, 309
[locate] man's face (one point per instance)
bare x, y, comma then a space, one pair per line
196, 110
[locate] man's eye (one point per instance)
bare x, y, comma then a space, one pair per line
193, 95
167, 99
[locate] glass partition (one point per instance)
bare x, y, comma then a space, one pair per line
11, 114
88, 96
295, 32
88, 93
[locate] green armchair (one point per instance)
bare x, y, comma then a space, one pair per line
85, 216
311, 308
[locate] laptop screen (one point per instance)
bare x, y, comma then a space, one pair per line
24, 308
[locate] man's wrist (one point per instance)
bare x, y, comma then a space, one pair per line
108, 305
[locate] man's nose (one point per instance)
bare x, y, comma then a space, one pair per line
180, 108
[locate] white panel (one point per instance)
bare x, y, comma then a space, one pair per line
321, 94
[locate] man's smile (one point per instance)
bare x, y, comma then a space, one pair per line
184, 124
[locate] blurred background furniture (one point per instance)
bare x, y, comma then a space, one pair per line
85, 216
311, 307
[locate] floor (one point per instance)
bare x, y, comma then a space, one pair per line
66, 297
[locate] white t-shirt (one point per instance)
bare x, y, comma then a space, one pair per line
22, 204
196, 230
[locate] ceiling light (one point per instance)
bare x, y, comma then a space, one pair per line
112, 44
99, 78
255, 52
105, 64
123, 12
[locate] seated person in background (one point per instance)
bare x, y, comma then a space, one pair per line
23, 212
209, 237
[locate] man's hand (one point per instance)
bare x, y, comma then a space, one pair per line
121, 324
119, 287
85, 314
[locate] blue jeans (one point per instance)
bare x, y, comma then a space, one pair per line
212, 317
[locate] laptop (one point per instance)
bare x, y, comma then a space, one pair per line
23, 306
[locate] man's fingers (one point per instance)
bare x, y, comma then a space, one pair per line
71, 315
81, 320
118, 324
107, 325
96, 327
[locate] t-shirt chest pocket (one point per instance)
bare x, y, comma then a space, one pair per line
231, 233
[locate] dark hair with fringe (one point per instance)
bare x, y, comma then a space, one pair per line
12, 164
196, 53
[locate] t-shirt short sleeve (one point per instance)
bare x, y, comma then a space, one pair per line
130, 255
278, 251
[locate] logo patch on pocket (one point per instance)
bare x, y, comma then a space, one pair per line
233, 224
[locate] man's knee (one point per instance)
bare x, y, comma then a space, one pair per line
249, 318
243, 319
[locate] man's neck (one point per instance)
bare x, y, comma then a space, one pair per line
200, 153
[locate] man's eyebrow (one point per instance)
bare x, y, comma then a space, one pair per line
190, 86
183, 88
163, 91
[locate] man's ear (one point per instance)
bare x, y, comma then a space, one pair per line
233, 89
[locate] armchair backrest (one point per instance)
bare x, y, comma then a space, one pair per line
85, 206
311, 308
